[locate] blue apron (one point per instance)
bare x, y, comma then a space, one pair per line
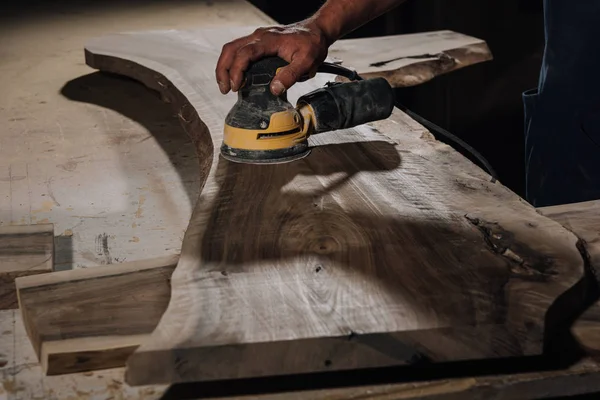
562, 115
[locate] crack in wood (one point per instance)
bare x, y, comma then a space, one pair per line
439, 56
525, 262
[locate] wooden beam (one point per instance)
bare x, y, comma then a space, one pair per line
93, 318
370, 252
24, 250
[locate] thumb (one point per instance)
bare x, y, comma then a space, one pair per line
288, 75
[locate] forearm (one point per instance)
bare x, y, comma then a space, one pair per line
303, 44
337, 18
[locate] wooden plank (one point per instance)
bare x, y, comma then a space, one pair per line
409, 60
24, 250
93, 318
370, 252
584, 220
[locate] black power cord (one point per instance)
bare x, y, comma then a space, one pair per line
433, 128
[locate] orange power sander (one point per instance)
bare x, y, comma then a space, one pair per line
262, 128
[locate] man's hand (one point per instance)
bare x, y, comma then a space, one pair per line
303, 45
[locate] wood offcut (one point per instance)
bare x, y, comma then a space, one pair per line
383, 247
93, 318
24, 250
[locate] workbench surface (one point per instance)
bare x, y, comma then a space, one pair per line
71, 154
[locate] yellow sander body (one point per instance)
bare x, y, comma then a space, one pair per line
262, 128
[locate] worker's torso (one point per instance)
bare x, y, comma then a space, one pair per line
563, 113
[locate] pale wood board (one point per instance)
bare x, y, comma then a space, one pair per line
409, 60
369, 252
24, 250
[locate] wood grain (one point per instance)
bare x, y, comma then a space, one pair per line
24, 250
370, 252
93, 318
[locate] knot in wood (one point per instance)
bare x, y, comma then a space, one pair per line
324, 245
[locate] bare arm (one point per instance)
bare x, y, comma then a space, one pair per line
337, 18
304, 44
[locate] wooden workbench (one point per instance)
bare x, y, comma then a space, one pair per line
114, 194
119, 196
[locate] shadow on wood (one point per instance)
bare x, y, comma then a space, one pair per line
132, 100
447, 381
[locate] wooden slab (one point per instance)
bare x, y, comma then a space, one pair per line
441, 384
99, 352
408, 60
370, 252
93, 318
64, 356
24, 250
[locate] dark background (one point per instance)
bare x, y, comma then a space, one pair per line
481, 104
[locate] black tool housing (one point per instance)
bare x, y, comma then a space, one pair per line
345, 105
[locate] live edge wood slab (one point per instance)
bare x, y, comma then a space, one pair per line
73, 324
383, 247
